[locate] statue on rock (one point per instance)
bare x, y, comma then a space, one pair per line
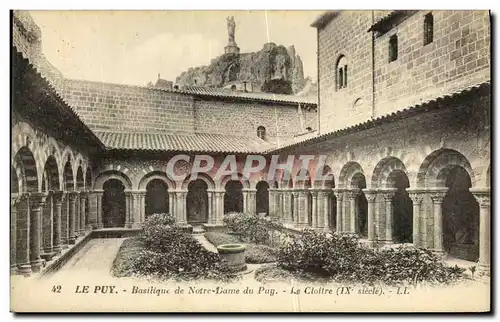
231, 26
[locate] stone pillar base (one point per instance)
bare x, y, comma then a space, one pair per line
72, 241
24, 269
212, 227
13, 269
47, 256
57, 249
36, 265
187, 228
99, 226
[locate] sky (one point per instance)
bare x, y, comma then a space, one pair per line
132, 47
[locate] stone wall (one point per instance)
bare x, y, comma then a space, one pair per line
105, 106
347, 35
457, 58
243, 118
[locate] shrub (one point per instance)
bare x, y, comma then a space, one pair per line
162, 250
260, 254
343, 259
253, 228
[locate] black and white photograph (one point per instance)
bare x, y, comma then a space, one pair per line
250, 161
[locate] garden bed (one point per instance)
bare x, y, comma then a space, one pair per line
163, 251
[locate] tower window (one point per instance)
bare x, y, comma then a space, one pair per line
261, 132
428, 28
341, 74
393, 48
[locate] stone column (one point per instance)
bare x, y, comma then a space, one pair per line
339, 194
323, 209
77, 214
286, 206
135, 216
387, 194
129, 204
219, 206
416, 197
83, 215
37, 201
483, 198
371, 195
142, 208
23, 235
99, 194
314, 208
57, 199
171, 203
210, 195
14, 200
72, 218
295, 207
65, 220
351, 224
181, 207
437, 196
46, 226
273, 213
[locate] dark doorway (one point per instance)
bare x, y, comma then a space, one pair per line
361, 212
233, 198
113, 204
402, 229
197, 202
156, 197
460, 216
262, 202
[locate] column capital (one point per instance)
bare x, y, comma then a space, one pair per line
437, 194
58, 195
339, 193
72, 195
352, 193
388, 193
325, 192
15, 198
370, 194
37, 199
416, 195
482, 196
314, 192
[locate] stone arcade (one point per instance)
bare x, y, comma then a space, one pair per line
407, 139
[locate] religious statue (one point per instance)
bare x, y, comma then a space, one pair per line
231, 26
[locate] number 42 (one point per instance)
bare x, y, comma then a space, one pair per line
56, 289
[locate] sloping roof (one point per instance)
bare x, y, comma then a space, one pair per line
437, 103
44, 94
258, 96
323, 19
176, 142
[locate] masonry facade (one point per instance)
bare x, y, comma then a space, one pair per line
406, 142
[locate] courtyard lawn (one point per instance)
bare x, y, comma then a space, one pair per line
255, 254
129, 250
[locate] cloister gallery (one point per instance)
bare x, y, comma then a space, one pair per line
419, 176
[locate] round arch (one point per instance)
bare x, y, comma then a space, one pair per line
51, 173
156, 175
239, 177
80, 184
437, 165
68, 175
112, 174
201, 176
381, 177
26, 161
327, 179
349, 172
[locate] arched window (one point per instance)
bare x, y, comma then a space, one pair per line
428, 28
341, 73
393, 48
261, 132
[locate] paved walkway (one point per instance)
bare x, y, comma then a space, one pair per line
95, 258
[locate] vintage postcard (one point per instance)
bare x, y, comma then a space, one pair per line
250, 161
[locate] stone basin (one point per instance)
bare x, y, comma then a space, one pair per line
233, 256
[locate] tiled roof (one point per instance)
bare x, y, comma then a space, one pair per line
176, 142
43, 91
440, 102
221, 93
324, 18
